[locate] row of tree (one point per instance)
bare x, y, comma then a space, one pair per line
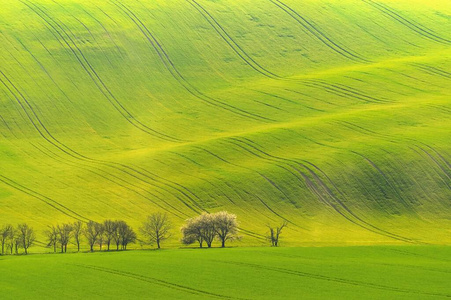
15, 238
204, 228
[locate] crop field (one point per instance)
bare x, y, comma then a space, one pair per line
375, 272
331, 115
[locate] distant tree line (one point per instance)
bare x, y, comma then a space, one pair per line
117, 234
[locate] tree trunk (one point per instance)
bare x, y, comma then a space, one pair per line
108, 246
92, 248
158, 244
26, 251
78, 247
223, 243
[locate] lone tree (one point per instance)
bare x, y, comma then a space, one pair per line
26, 236
64, 235
192, 232
92, 232
156, 228
274, 233
77, 230
226, 226
51, 235
5, 233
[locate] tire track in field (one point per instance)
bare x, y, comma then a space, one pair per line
412, 25
441, 163
318, 34
343, 91
232, 44
352, 282
62, 35
53, 203
118, 181
156, 281
172, 69
139, 174
272, 183
432, 70
324, 193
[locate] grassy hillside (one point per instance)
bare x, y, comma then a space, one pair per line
377, 272
331, 115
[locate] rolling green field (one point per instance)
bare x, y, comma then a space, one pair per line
331, 115
375, 272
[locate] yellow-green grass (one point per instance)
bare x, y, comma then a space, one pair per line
374, 272
332, 115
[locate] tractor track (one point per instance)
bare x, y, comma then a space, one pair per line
412, 25
156, 281
318, 34
336, 279
172, 69
53, 203
61, 34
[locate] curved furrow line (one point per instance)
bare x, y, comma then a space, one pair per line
170, 66
344, 91
313, 97
448, 164
120, 181
229, 40
384, 176
446, 180
264, 177
433, 71
288, 100
53, 203
167, 284
337, 279
318, 34
352, 215
325, 189
106, 31
43, 68
44, 133
86, 28
414, 26
88, 68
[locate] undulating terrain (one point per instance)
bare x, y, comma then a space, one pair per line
331, 115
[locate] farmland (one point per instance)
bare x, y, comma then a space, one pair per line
376, 272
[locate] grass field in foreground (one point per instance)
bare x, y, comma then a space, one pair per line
374, 272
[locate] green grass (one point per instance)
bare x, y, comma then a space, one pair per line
376, 272
333, 115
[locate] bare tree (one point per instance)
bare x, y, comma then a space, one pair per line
110, 231
156, 228
77, 230
226, 226
101, 236
127, 236
12, 240
274, 233
52, 237
64, 235
26, 236
5, 233
192, 232
117, 236
91, 232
